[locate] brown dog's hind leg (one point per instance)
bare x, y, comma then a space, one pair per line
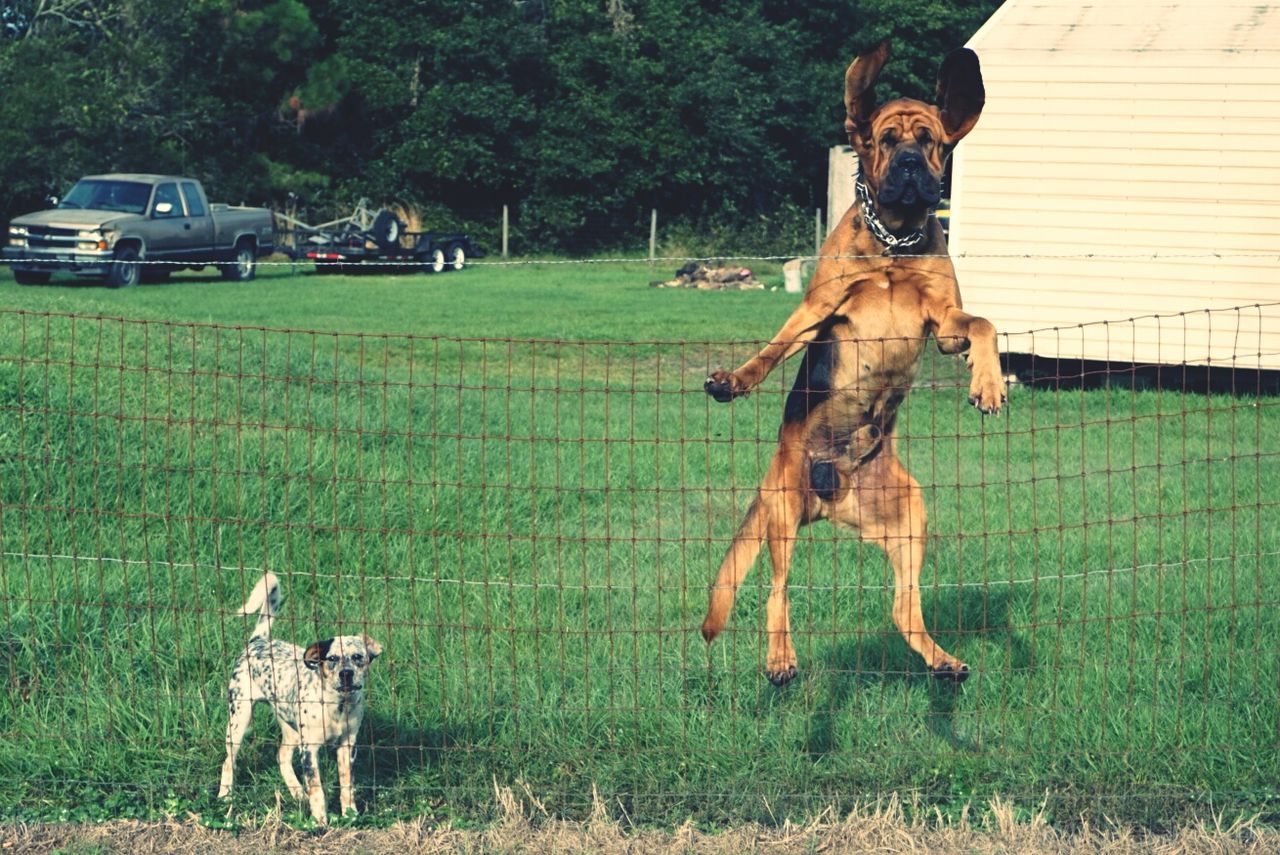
784, 522
886, 505
746, 544
733, 569
775, 516
784, 501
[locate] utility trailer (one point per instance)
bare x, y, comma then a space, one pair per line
369, 239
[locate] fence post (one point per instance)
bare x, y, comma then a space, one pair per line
653, 235
506, 225
817, 232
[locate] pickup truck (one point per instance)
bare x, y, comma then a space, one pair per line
127, 228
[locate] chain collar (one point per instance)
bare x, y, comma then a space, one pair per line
892, 243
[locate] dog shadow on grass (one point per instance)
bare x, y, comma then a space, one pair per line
391, 756
395, 754
881, 661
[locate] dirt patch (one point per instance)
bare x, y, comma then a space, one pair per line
523, 828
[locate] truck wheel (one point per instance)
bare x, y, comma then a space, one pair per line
31, 277
437, 263
386, 230
125, 270
457, 257
245, 265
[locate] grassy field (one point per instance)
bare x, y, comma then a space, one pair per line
511, 477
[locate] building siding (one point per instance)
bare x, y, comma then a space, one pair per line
1127, 164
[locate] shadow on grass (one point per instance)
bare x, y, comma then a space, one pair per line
433, 764
408, 752
883, 658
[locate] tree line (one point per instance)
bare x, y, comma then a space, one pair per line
582, 115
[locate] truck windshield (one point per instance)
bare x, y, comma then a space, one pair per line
107, 195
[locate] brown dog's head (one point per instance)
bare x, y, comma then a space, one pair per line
903, 145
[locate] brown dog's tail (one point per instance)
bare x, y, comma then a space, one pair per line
737, 563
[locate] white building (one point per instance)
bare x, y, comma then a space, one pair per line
1127, 164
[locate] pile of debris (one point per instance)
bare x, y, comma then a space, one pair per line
705, 278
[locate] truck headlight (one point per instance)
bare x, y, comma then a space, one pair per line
18, 231
92, 240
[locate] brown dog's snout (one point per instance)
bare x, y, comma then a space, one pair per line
910, 183
909, 161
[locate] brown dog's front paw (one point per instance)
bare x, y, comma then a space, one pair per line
724, 387
781, 676
951, 673
987, 393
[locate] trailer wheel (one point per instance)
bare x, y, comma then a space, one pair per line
125, 270
243, 268
437, 262
30, 277
386, 230
457, 257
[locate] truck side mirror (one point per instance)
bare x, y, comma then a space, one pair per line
51, 201
164, 209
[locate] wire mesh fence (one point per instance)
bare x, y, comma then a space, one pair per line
530, 527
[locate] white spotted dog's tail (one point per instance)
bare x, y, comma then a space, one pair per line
264, 600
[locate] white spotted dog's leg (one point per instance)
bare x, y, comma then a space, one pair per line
315, 792
289, 742
239, 717
346, 752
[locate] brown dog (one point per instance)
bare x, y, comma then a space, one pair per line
883, 284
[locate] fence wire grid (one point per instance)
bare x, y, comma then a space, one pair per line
530, 528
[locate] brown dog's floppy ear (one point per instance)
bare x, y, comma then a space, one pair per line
314, 655
374, 648
859, 92
961, 94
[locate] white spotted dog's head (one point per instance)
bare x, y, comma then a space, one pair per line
342, 663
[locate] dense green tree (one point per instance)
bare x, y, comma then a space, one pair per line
580, 114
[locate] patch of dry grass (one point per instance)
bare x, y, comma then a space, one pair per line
522, 826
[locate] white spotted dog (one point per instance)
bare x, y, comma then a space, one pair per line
316, 695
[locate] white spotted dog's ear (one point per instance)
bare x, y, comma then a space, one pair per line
374, 648
313, 657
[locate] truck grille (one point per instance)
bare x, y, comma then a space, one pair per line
51, 237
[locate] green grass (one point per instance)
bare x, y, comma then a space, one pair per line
572, 301
526, 510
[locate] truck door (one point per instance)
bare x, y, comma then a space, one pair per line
165, 235
199, 225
